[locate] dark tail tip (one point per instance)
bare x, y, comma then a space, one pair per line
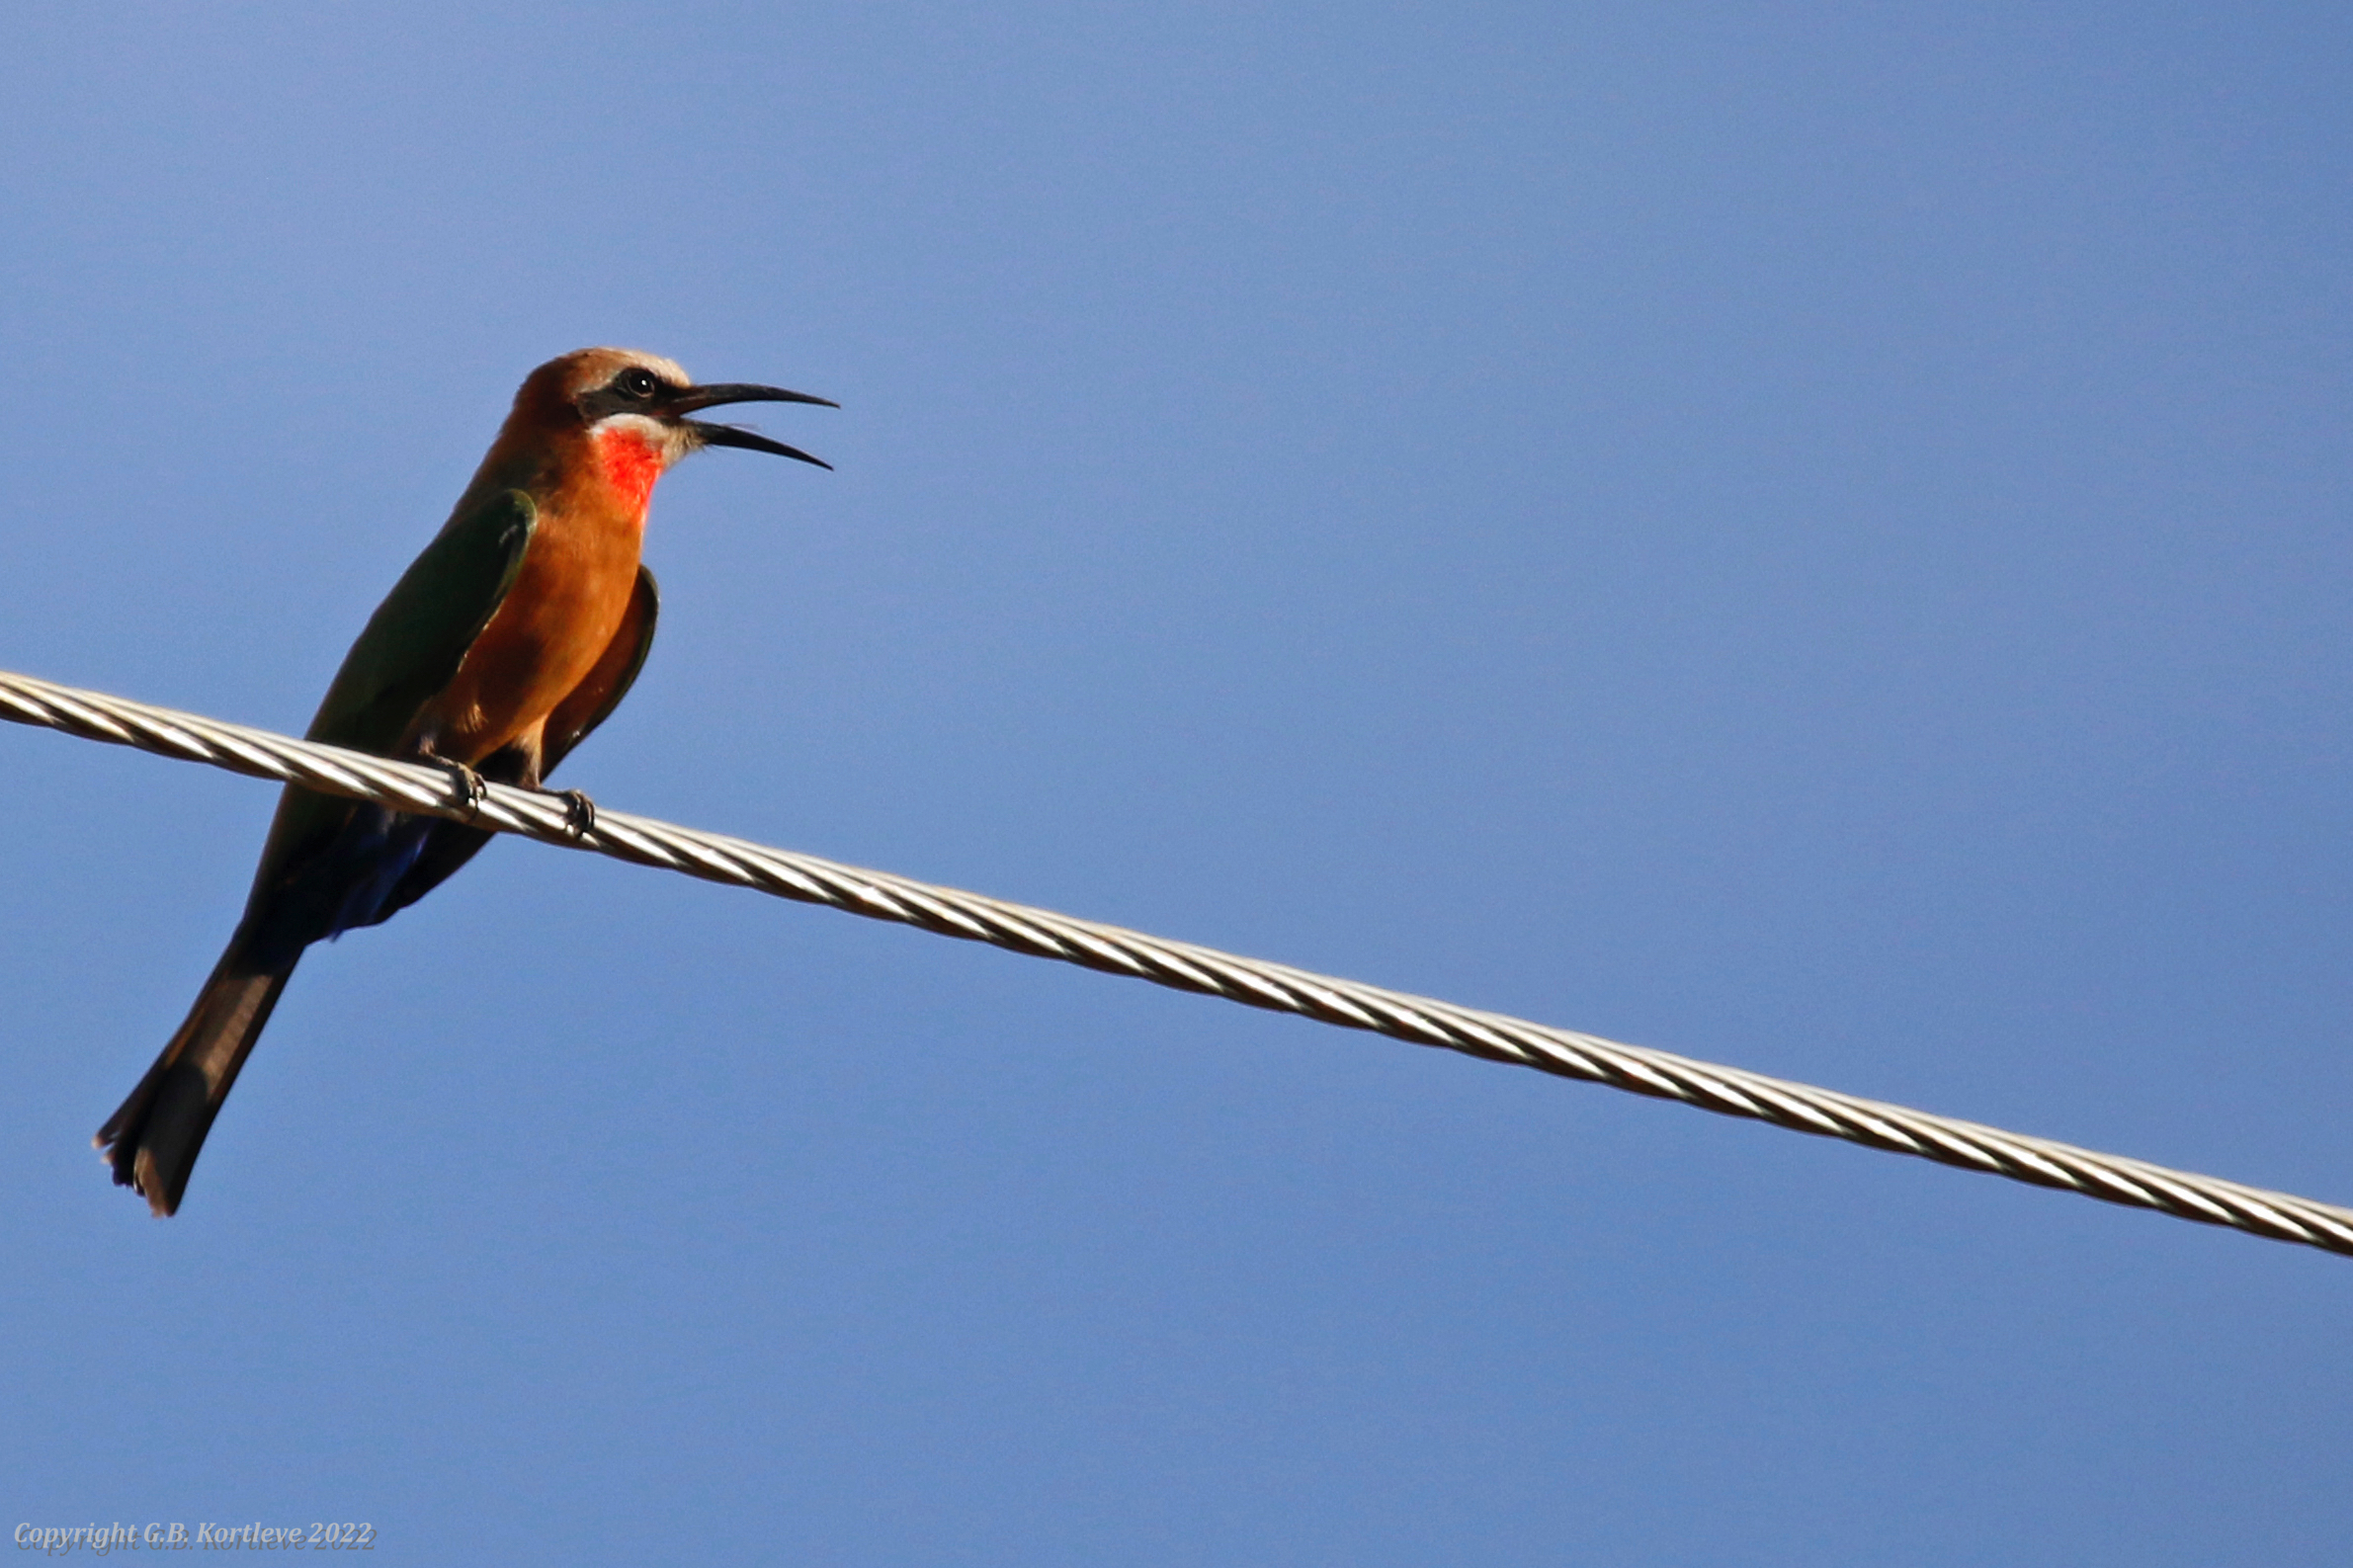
152, 1139
152, 1142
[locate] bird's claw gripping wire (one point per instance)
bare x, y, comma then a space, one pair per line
469, 784
579, 813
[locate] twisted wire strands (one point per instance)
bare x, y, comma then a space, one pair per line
1183, 966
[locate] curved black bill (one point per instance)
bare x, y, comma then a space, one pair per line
687, 399
749, 440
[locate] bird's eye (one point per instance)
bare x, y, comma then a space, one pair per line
637, 382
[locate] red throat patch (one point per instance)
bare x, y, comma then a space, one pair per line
630, 465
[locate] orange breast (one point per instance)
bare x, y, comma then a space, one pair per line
567, 604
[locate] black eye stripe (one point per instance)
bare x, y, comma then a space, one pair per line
637, 382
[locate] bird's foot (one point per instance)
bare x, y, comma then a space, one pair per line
470, 785
579, 813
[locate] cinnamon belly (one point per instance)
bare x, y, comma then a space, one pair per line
568, 601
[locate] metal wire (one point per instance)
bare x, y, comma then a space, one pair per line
880, 896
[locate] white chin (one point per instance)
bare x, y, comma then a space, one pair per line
669, 440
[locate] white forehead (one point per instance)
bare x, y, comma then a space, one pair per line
595, 367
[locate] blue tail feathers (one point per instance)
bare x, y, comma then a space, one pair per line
345, 884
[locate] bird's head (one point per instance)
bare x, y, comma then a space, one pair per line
630, 409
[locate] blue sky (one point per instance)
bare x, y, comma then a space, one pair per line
1809, 536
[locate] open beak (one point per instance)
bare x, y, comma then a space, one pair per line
711, 435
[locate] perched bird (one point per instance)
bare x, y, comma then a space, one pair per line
514, 634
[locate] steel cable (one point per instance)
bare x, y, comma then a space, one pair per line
880, 896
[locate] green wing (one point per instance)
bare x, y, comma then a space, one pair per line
450, 845
414, 642
408, 652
